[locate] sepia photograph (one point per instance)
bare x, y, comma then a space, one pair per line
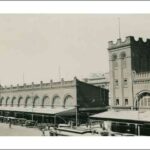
74, 75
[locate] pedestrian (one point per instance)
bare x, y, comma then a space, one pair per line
55, 130
10, 122
49, 127
87, 124
71, 122
43, 132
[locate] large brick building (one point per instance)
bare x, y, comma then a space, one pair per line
48, 99
130, 73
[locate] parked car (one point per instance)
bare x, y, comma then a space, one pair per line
30, 123
21, 121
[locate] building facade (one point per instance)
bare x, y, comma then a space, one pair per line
100, 80
51, 98
129, 73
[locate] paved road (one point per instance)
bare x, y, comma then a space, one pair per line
18, 131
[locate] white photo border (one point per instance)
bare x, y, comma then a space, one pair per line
74, 7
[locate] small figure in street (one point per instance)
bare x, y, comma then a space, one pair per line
87, 124
10, 122
101, 125
71, 123
55, 131
43, 132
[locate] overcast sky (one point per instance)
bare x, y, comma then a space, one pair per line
36, 45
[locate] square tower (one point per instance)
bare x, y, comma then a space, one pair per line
129, 63
121, 87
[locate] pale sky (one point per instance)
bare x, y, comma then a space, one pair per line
36, 45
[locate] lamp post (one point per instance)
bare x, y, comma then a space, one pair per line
77, 109
32, 104
138, 126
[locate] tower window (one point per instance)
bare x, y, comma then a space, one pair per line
117, 102
116, 82
123, 57
115, 63
126, 102
114, 57
125, 81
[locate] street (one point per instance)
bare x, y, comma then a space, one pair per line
18, 131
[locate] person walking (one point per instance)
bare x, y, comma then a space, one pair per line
10, 122
43, 132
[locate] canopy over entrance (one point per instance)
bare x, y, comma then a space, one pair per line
49, 111
121, 116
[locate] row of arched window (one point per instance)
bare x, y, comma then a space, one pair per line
35, 101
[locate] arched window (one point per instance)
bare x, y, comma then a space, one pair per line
123, 57
56, 102
28, 101
4, 102
46, 102
126, 102
114, 59
20, 102
36, 101
68, 101
116, 82
125, 82
8, 101
14, 101
1, 101
117, 102
144, 100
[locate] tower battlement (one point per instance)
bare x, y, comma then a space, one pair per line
130, 40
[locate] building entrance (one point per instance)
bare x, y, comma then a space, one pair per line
143, 100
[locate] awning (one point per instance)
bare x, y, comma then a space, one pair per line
68, 112
93, 109
131, 116
39, 110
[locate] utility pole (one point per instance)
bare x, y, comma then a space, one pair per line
32, 102
76, 116
138, 128
119, 31
23, 78
59, 73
